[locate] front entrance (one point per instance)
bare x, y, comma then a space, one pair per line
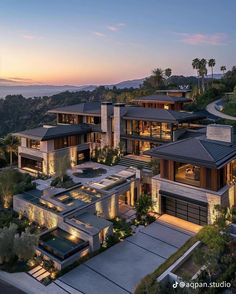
185, 209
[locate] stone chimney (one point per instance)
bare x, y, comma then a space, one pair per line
106, 124
118, 123
223, 133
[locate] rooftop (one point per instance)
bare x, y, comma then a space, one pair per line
163, 98
199, 151
156, 114
82, 108
92, 220
48, 133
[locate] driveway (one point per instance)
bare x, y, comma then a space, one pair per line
119, 269
211, 108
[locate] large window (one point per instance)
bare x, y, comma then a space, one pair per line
149, 129
67, 142
187, 173
67, 118
33, 144
93, 120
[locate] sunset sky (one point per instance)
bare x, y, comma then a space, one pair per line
104, 41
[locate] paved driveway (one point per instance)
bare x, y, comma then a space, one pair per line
212, 109
119, 269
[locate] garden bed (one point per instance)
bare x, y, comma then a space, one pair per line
188, 268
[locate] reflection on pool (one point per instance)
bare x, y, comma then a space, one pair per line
61, 244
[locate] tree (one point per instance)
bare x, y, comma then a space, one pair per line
229, 79
203, 72
62, 164
168, 72
211, 64
196, 65
13, 182
24, 245
156, 80
2, 149
11, 144
223, 69
7, 235
7, 187
143, 205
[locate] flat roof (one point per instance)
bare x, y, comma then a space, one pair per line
48, 133
93, 220
199, 151
162, 98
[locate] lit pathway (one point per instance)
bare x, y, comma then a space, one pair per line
211, 108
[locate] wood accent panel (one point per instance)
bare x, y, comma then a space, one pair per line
203, 177
162, 168
214, 179
171, 170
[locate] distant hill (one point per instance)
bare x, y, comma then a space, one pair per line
49, 90
40, 90
215, 76
128, 84
27, 91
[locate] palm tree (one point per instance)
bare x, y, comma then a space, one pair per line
2, 149
168, 72
11, 146
211, 64
196, 65
158, 77
223, 69
203, 72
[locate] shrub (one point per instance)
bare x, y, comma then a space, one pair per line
65, 182
13, 182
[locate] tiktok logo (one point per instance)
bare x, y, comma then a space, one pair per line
175, 285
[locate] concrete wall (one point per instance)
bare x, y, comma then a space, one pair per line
94, 242
118, 123
106, 125
58, 264
39, 214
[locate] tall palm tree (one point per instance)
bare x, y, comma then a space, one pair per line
168, 72
11, 146
211, 64
223, 69
203, 72
196, 65
157, 77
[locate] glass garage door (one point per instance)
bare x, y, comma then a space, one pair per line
186, 210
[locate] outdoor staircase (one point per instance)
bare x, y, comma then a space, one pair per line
133, 162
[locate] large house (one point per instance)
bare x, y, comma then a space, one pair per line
83, 126
195, 175
197, 171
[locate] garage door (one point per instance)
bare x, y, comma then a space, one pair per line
185, 209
